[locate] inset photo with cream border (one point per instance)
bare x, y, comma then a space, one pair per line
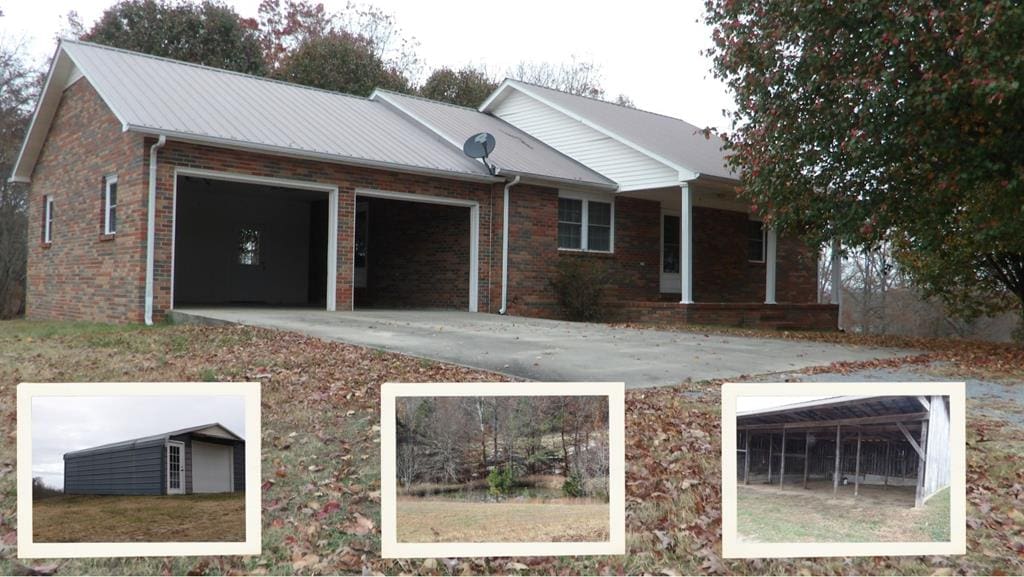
502, 469
135, 469
843, 469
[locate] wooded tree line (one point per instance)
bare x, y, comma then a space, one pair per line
352, 50
452, 440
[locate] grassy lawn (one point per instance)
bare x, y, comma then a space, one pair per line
321, 512
447, 521
767, 515
115, 519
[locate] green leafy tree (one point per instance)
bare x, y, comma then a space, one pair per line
209, 33
870, 121
501, 481
342, 62
465, 87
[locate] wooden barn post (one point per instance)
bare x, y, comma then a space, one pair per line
835, 477
886, 464
782, 462
746, 459
769, 458
922, 461
856, 474
807, 459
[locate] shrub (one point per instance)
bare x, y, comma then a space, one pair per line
573, 485
501, 480
579, 286
41, 490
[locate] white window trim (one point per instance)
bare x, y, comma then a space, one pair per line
585, 226
764, 242
107, 181
48, 220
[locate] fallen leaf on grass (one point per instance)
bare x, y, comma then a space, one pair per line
517, 566
48, 569
360, 526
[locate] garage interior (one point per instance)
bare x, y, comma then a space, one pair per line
248, 244
411, 254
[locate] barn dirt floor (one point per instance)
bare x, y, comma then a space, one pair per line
139, 519
878, 514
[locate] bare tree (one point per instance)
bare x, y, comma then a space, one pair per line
580, 77
19, 85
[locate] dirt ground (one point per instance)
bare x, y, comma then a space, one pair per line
445, 521
139, 519
878, 514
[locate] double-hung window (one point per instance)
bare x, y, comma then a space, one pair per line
585, 224
110, 204
47, 219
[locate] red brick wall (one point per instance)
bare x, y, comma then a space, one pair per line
346, 178
83, 275
418, 256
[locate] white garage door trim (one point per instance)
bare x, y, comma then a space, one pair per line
474, 232
203, 476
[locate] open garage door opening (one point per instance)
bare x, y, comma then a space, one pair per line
415, 252
248, 243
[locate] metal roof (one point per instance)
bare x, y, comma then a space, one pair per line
833, 408
186, 101
151, 438
516, 152
662, 137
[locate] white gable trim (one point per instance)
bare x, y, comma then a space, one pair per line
508, 84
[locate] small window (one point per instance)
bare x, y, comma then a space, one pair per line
570, 223
755, 241
47, 219
249, 246
110, 205
585, 224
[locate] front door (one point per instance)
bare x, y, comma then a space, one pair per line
175, 468
671, 281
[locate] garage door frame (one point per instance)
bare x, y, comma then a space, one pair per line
332, 217
474, 232
231, 464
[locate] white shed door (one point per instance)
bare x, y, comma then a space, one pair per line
211, 468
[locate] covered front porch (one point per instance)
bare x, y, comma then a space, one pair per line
719, 265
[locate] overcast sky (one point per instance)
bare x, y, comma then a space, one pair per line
648, 50
64, 424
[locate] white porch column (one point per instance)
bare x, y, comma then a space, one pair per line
686, 243
837, 274
769, 266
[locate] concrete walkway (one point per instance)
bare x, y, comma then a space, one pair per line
540, 349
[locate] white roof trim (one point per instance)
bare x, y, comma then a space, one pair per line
684, 173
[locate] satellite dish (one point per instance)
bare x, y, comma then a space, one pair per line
480, 146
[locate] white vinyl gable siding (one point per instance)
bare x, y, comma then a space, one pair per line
630, 168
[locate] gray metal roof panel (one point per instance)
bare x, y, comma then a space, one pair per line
153, 93
671, 138
151, 439
515, 151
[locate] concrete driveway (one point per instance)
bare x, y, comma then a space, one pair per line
546, 350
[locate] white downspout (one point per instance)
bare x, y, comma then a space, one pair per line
151, 227
504, 247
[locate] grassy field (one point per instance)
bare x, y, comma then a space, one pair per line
321, 443
446, 521
116, 519
767, 515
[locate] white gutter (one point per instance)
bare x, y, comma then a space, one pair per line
151, 227
504, 247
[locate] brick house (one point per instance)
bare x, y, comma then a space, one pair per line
157, 185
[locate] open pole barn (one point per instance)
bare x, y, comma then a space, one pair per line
891, 445
204, 459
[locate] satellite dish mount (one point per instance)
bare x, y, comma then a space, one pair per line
480, 146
